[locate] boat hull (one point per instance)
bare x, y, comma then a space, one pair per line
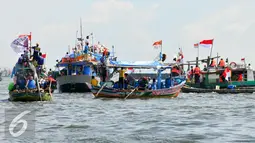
74, 87
74, 83
26, 96
116, 93
186, 89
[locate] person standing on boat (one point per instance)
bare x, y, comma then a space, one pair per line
191, 73
221, 63
36, 51
197, 74
86, 51
249, 67
121, 77
213, 63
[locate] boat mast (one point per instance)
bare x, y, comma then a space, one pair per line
81, 38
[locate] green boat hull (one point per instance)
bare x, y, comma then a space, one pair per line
222, 85
26, 97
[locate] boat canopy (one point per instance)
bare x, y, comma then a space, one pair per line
137, 64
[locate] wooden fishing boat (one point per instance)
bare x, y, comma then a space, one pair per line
29, 95
30, 82
105, 92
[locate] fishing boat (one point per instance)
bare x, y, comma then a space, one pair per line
30, 83
210, 79
170, 91
75, 69
17, 93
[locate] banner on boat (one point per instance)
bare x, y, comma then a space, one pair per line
20, 44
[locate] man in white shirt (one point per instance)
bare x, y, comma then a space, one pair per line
249, 67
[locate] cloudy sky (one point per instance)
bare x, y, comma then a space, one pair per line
132, 26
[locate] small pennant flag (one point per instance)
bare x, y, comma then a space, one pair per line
196, 45
44, 56
157, 43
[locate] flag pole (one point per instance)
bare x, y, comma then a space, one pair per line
160, 54
198, 50
159, 70
211, 49
30, 43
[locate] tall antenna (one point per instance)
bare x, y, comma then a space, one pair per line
81, 26
81, 38
113, 51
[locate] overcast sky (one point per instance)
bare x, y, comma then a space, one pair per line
132, 26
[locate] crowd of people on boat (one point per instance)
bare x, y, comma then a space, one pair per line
224, 68
85, 52
127, 81
30, 72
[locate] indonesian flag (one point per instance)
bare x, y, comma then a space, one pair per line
157, 44
206, 43
196, 45
44, 56
130, 70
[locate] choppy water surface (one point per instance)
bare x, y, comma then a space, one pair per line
188, 118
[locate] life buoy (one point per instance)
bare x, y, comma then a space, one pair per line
233, 65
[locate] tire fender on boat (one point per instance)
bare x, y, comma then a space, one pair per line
233, 65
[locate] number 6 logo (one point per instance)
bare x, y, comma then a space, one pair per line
17, 121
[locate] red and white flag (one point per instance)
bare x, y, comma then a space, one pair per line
196, 45
243, 59
157, 44
206, 43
